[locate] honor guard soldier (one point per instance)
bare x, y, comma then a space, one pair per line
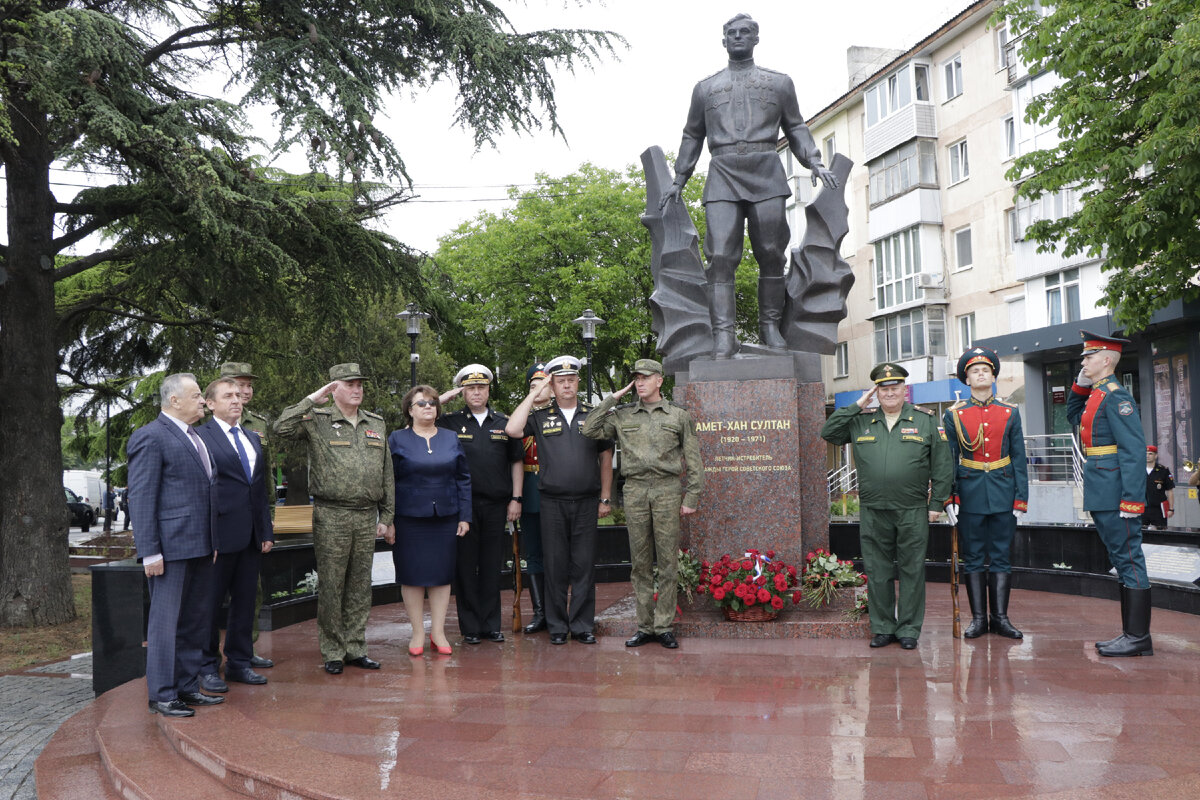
354, 501
904, 476
494, 460
575, 477
530, 541
991, 490
1159, 484
1114, 482
657, 439
242, 372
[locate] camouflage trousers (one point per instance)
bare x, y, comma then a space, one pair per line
344, 542
652, 516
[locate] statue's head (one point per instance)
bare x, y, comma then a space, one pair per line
739, 36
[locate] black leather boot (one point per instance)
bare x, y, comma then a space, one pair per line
724, 320
976, 583
1136, 641
536, 585
1124, 620
999, 584
771, 295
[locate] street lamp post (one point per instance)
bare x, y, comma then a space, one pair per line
412, 320
107, 459
588, 322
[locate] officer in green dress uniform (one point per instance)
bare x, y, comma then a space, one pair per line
350, 475
991, 490
1114, 482
900, 454
657, 439
243, 373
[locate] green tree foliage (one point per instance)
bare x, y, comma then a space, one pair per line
203, 249
512, 282
1128, 112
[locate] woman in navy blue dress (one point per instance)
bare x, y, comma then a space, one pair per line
433, 507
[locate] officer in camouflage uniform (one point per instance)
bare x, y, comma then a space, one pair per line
654, 435
1114, 482
350, 475
900, 453
242, 372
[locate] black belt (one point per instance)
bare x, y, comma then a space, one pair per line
742, 148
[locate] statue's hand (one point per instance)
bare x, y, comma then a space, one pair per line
826, 177
674, 193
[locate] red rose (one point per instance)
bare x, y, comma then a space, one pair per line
761, 580
812, 556
747, 564
740, 591
820, 551
729, 586
780, 582
770, 554
718, 594
792, 571
749, 601
776, 603
763, 595
796, 597
702, 588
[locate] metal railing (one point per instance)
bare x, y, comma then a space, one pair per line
1054, 458
842, 480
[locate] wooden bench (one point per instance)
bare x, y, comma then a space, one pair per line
293, 519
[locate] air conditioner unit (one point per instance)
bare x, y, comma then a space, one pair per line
930, 280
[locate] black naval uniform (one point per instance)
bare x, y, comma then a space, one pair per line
569, 484
490, 456
1159, 484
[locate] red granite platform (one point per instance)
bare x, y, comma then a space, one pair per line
752, 718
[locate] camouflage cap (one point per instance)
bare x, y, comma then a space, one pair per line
236, 369
647, 366
346, 372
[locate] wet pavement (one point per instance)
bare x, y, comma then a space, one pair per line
1043, 717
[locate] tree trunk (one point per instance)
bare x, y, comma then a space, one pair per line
35, 577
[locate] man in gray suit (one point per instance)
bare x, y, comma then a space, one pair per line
172, 495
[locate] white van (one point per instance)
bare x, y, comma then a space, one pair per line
89, 485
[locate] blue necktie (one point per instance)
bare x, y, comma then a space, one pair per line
237, 440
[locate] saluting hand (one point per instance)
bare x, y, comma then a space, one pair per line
321, 395
865, 400
623, 392
539, 391
449, 395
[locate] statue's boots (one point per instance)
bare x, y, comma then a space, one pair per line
999, 584
771, 295
1136, 639
1124, 620
536, 592
976, 583
724, 317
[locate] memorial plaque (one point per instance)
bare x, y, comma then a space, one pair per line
1174, 564
764, 468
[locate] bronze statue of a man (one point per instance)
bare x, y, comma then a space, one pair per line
741, 110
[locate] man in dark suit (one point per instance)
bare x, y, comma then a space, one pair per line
243, 534
173, 496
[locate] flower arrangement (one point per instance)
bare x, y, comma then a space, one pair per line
825, 575
755, 581
687, 577
855, 612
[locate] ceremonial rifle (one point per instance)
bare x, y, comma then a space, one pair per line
954, 580
516, 611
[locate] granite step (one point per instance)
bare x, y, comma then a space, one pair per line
70, 765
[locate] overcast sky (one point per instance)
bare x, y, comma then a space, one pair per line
612, 114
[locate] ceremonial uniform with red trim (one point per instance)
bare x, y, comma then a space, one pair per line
1114, 475
990, 479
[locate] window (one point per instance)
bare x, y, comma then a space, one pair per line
897, 262
1062, 297
1010, 137
843, 360
960, 168
911, 334
921, 80
966, 331
1002, 51
962, 247
897, 91
1062, 203
899, 170
829, 148
954, 80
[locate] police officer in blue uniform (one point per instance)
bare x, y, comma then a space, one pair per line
495, 463
1114, 482
991, 490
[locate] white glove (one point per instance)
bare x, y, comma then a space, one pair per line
952, 513
1018, 514
1129, 515
1082, 380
